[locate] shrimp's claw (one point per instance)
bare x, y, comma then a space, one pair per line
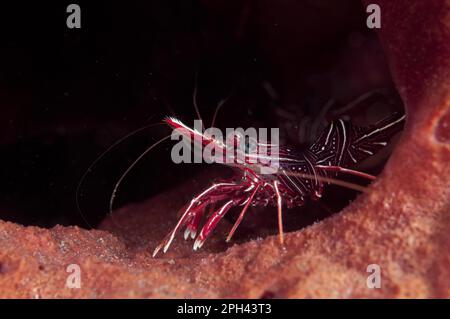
165, 244
194, 212
211, 223
167, 241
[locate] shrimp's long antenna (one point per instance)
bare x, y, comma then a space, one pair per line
347, 171
330, 180
357, 101
113, 195
219, 106
89, 169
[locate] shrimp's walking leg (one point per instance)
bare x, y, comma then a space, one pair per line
241, 215
280, 212
192, 224
211, 223
346, 171
192, 212
199, 211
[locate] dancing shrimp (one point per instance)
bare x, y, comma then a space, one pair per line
300, 174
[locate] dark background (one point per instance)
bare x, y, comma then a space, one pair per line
66, 95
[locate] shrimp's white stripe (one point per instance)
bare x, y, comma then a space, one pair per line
351, 156
293, 183
344, 131
325, 159
365, 151
312, 168
329, 133
249, 188
381, 129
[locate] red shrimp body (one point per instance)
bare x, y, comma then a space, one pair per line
297, 175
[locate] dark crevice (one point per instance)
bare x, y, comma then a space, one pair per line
67, 95
268, 295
